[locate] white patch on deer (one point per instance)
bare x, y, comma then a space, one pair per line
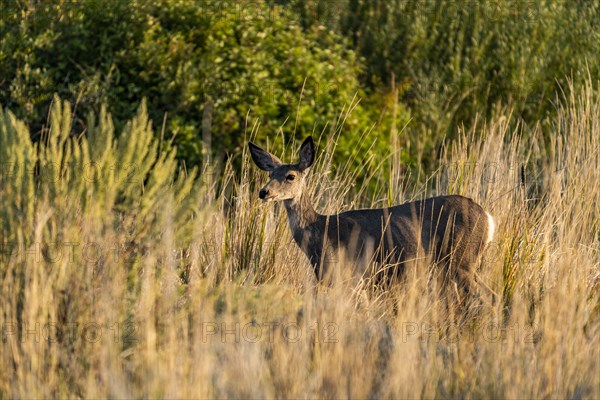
491, 228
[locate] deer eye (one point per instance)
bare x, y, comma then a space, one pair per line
290, 177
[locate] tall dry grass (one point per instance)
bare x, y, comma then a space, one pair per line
119, 280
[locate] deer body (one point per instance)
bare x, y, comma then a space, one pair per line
451, 230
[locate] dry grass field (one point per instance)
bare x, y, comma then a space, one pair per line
124, 276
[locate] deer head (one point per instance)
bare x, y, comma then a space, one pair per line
286, 180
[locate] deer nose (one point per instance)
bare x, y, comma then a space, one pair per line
263, 193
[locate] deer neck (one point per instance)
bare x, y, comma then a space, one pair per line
301, 214
308, 229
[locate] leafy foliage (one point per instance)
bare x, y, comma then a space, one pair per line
457, 60
244, 61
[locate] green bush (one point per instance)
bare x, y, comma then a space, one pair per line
114, 181
294, 67
456, 60
248, 61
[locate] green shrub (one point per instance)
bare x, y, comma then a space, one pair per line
456, 60
249, 61
123, 182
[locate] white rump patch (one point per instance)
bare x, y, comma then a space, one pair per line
491, 228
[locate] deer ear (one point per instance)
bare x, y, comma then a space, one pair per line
262, 158
307, 153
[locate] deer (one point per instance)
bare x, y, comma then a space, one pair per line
450, 230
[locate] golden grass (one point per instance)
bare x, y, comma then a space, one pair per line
117, 280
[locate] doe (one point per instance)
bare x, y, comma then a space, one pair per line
451, 231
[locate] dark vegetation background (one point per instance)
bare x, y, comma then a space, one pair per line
419, 69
